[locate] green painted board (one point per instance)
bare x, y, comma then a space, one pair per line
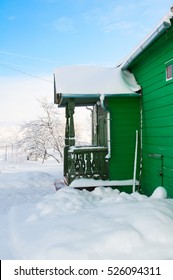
125, 120
157, 117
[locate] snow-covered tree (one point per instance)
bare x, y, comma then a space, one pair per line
43, 137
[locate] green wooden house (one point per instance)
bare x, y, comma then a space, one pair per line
132, 143
115, 98
152, 65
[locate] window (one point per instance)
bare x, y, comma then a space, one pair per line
169, 72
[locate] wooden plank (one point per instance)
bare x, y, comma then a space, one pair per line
159, 122
158, 103
160, 141
125, 119
155, 149
157, 112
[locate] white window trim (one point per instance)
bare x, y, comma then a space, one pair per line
168, 79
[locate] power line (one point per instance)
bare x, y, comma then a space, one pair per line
18, 65
26, 56
25, 73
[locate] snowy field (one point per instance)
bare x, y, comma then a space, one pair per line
39, 223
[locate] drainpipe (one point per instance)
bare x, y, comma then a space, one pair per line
102, 99
152, 37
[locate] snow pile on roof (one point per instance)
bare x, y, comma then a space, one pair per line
87, 79
39, 223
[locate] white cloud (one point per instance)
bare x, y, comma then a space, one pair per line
127, 16
63, 24
114, 18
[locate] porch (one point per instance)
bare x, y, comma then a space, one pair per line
86, 162
102, 163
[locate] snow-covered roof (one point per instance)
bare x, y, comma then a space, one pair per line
164, 24
85, 80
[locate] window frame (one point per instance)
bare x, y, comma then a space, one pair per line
169, 72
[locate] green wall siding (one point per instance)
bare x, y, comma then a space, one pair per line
157, 100
125, 120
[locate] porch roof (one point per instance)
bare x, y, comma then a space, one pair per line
87, 83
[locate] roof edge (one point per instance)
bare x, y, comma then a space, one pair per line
165, 24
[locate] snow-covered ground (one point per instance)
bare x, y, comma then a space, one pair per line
37, 222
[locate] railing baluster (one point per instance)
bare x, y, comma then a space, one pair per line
82, 165
72, 169
87, 162
95, 164
88, 165
77, 166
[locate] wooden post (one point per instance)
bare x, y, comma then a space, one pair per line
67, 126
66, 142
71, 107
69, 134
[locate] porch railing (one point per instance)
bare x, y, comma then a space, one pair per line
87, 162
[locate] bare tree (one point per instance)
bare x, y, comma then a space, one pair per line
43, 138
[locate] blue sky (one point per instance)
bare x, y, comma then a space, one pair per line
39, 35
